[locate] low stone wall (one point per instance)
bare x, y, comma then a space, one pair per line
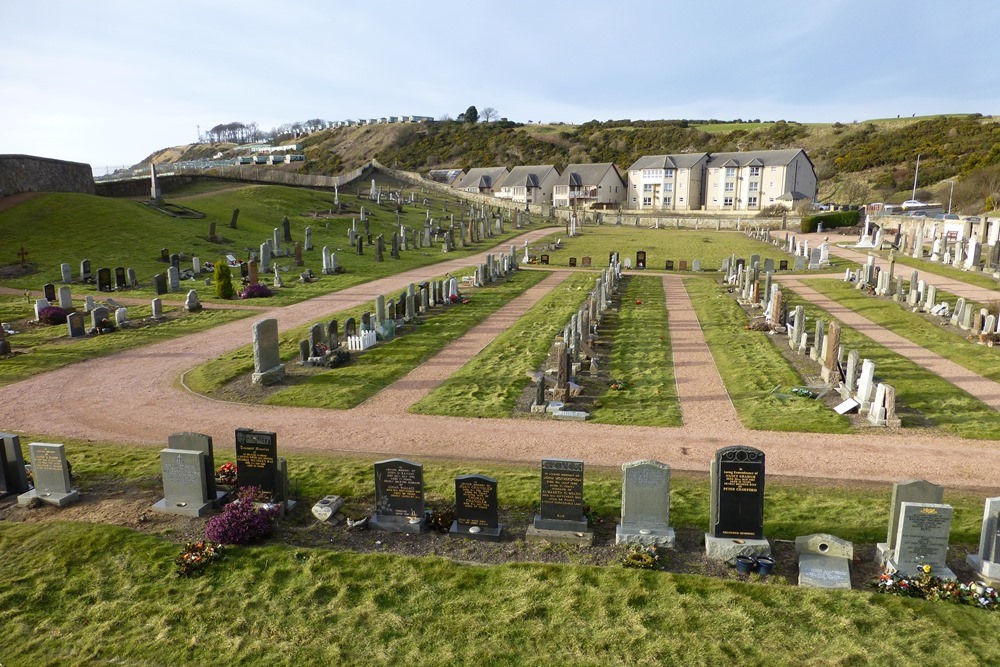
28, 173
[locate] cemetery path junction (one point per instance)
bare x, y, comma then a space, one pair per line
136, 397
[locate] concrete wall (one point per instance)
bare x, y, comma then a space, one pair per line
28, 173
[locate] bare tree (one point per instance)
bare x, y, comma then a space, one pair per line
488, 114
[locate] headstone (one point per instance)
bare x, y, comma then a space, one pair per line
199, 442
669, 265
783, 265
736, 512
267, 365
561, 517
121, 317
922, 539
682, 265
84, 269
75, 325
174, 278
13, 476
645, 515
257, 464
160, 282
234, 218
50, 474
130, 278
476, 508
66, 272
99, 317
104, 280
121, 281
65, 297
49, 291
191, 303
824, 561
544, 259
640, 259
910, 491
399, 497
986, 562
586, 262
185, 483
157, 306
572, 261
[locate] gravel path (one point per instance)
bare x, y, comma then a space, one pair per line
134, 397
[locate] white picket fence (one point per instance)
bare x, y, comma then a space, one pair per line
362, 342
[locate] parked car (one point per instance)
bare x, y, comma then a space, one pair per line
950, 216
973, 219
919, 214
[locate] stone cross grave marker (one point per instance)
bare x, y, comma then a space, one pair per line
399, 497
476, 508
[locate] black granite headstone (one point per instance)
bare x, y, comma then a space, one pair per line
476, 508
562, 490
257, 460
350, 327
670, 265
160, 281
121, 282
544, 259
399, 489
572, 261
104, 280
738, 493
15, 477
286, 230
640, 259
783, 265
50, 292
164, 255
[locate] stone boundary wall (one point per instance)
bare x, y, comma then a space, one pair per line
28, 173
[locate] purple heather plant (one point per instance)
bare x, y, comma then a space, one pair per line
53, 315
257, 291
243, 521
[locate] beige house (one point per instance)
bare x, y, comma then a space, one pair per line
667, 182
529, 185
743, 181
483, 180
588, 185
752, 180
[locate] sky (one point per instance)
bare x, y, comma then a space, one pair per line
108, 83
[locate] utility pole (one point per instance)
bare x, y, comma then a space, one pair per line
917, 171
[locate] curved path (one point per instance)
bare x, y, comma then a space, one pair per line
134, 397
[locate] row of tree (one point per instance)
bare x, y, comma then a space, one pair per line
247, 133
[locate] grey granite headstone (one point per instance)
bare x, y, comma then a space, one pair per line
922, 539
645, 515
267, 364
76, 325
50, 474
185, 485
986, 562
910, 491
824, 561
199, 442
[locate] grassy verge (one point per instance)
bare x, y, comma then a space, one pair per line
946, 271
641, 357
925, 398
346, 387
46, 348
489, 385
119, 602
897, 318
751, 366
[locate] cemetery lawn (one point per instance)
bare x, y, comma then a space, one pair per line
492, 381
710, 247
67, 227
979, 279
46, 348
641, 358
923, 398
369, 373
109, 593
897, 318
752, 367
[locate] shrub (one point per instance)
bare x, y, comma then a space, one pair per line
53, 315
257, 291
830, 220
223, 281
243, 521
772, 211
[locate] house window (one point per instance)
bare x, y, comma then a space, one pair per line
774, 169
652, 173
727, 201
730, 172
770, 200
647, 187
669, 187
754, 186
669, 173
752, 202
715, 200
755, 171
647, 201
633, 200
729, 186
667, 201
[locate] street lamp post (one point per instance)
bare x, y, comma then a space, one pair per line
950, 194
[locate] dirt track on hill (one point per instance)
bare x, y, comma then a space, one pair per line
135, 397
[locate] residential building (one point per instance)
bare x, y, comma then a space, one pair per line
667, 182
752, 180
483, 180
446, 176
529, 185
589, 185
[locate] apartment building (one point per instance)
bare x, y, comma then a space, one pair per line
589, 185
529, 185
667, 182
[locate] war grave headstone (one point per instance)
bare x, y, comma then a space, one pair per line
267, 365
157, 308
50, 474
199, 442
561, 517
645, 505
104, 280
824, 561
922, 539
910, 491
736, 512
257, 464
986, 562
185, 484
13, 476
399, 497
476, 509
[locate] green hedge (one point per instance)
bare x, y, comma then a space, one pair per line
830, 220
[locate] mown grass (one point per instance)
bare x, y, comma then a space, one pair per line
897, 318
927, 268
491, 382
62, 227
377, 368
45, 348
751, 367
110, 595
923, 398
641, 358
710, 247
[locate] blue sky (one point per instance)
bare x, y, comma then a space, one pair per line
108, 83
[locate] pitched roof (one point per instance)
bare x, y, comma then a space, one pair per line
530, 176
587, 174
758, 158
483, 177
792, 195
675, 161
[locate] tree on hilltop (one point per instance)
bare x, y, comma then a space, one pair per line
471, 115
489, 114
